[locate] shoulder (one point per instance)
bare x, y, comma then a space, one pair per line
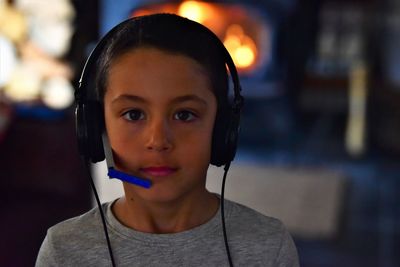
74, 242
243, 216
86, 222
259, 234
78, 234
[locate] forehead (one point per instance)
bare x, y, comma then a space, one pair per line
148, 53
150, 71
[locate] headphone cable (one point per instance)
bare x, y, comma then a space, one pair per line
103, 219
226, 168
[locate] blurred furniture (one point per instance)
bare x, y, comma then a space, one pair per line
42, 182
309, 201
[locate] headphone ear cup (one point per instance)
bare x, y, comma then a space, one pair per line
81, 130
221, 149
89, 121
232, 135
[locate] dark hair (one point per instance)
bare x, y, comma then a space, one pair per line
173, 34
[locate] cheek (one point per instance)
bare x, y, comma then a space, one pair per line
119, 137
195, 145
124, 141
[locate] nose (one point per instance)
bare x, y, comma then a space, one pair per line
158, 136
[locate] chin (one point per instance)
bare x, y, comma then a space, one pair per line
160, 193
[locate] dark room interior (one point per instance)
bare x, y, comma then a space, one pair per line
321, 81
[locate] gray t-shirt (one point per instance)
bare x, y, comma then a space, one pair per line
254, 240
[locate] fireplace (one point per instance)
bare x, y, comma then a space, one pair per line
244, 30
248, 31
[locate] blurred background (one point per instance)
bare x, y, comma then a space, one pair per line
319, 146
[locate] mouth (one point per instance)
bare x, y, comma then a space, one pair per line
158, 171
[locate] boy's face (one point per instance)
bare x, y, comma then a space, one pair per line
159, 113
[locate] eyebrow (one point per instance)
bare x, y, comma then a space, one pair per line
179, 99
186, 98
132, 98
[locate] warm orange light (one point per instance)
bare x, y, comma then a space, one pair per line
193, 10
244, 56
241, 47
239, 43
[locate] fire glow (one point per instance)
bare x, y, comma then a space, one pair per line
233, 27
193, 10
241, 47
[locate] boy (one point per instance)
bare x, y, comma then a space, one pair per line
161, 82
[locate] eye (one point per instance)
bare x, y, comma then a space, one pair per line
134, 115
185, 115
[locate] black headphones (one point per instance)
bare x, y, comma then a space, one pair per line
89, 114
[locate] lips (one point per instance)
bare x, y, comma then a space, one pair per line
158, 171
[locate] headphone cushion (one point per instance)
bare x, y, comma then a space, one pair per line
220, 142
89, 127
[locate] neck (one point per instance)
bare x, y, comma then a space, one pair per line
167, 217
